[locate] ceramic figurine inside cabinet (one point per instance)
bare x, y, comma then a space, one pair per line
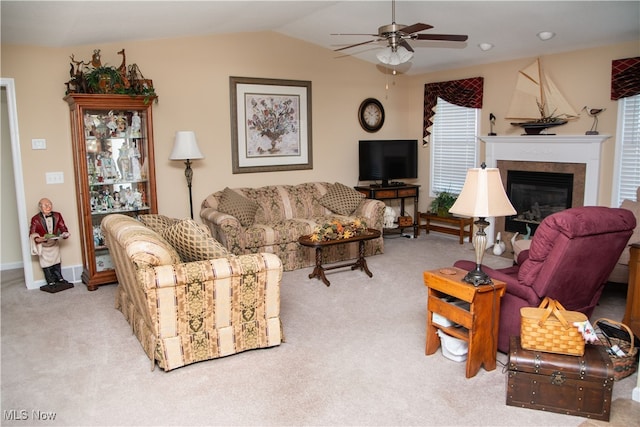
114, 170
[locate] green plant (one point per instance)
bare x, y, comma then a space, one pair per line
443, 202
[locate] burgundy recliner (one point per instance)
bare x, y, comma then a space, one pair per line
572, 253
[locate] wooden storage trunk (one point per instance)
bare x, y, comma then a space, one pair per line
573, 385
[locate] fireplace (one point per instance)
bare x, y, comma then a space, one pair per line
578, 155
535, 196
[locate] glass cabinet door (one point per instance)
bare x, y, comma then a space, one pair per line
117, 170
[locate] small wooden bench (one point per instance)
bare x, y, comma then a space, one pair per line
454, 225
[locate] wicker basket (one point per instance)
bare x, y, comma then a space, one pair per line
623, 365
549, 328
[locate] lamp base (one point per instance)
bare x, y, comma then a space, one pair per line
477, 277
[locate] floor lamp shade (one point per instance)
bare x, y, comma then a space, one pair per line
482, 196
185, 146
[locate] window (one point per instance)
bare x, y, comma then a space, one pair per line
454, 146
627, 161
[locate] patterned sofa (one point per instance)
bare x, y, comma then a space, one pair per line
272, 218
186, 298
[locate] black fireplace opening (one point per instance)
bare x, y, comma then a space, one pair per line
535, 196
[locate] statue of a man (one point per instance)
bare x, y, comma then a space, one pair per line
47, 228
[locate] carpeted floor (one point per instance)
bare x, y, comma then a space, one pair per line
354, 355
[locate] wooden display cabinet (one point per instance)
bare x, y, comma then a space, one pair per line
112, 139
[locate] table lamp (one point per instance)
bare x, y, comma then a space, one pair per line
482, 196
185, 147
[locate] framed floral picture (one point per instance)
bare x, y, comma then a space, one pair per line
270, 124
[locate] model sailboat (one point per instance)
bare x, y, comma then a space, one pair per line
537, 100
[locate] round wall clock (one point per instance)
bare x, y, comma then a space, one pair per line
371, 115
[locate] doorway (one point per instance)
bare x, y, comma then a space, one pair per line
8, 87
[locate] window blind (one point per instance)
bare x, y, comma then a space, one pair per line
454, 146
629, 148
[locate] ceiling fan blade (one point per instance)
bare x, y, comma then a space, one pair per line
353, 34
415, 28
354, 45
406, 45
444, 37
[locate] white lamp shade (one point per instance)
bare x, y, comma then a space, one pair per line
185, 146
390, 57
483, 195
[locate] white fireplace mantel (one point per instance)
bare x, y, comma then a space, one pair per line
551, 148
584, 149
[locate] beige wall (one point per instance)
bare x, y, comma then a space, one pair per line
191, 77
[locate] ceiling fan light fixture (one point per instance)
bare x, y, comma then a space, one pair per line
546, 35
485, 46
389, 56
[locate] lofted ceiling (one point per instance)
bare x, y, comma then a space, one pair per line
511, 26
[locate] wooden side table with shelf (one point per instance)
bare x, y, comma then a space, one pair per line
458, 226
395, 192
478, 325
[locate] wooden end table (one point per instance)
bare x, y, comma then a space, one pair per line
457, 226
360, 262
479, 323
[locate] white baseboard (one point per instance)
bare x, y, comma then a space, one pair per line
11, 265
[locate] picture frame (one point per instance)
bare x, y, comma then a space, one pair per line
270, 125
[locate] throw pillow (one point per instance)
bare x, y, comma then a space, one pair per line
341, 199
157, 222
192, 242
239, 206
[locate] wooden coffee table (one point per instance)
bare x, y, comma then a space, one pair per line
360, 263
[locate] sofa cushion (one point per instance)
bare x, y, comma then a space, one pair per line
341, 199
239, 206
192, 242
157, 222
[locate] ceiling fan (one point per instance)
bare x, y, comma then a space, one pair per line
398, 50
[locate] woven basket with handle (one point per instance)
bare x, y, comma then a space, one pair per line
549, 328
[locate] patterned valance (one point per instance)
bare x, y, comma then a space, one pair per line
625, 77
465, 93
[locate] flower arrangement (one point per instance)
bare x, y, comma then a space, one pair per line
335, 230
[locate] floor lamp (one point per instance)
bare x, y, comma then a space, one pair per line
482, 196
185, 147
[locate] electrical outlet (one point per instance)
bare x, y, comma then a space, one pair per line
55, 177
38, 144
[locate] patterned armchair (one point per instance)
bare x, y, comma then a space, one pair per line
186, 298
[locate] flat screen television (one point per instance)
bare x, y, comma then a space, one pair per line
387, 160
